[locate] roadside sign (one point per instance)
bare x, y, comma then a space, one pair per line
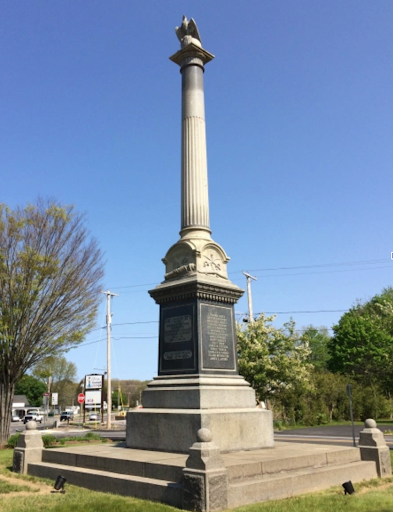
93, 398
55, 398
93, 381
45, 394
81, 398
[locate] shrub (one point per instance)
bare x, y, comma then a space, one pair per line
13, 440
48, 440
92, 436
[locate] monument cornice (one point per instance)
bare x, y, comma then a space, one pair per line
191, 51
195, 289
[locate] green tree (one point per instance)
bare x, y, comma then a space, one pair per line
318, 339
272, 360
32, 388
362, 344
118, 397
50, 273
60, 375
132, 389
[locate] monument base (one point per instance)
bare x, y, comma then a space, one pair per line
199, 392
174, 430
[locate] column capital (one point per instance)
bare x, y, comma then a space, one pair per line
192, 54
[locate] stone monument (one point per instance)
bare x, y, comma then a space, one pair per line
198, 384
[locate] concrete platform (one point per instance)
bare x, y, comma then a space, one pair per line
286, 470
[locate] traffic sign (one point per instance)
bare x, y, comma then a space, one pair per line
81, 398
45, 394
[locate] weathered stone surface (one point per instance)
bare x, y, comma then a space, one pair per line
18, 462
199, 392
174, 430
29, 448
205, 478
218, 491
194, 492
373, 447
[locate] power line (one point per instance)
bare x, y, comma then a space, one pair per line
325, 271
322, 265
134, 323
297, 312
117, 338
135, 337
133, 286
362, 262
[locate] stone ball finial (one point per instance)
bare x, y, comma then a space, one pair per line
370, 423
204, 435
31, 425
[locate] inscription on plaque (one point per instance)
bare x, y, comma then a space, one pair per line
177, 339
177, 329
217, 328
218, 341
177, 354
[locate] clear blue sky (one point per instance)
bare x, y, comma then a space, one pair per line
299, 112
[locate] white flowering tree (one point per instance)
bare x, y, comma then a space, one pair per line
273, 360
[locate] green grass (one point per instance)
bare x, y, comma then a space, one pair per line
330, 501
6, 461
373, 496
6, 487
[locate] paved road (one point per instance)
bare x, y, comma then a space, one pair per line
63, 430
336, 434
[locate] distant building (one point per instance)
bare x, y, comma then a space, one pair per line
20, 401
20, 404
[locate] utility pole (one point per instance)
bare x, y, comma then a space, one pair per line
109, 295
250, 313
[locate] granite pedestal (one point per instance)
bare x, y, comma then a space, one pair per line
198, 385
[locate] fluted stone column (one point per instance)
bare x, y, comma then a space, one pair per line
194, 197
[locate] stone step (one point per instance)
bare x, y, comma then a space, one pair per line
253, 476
105, 481
291, 483
296, 462
144, 469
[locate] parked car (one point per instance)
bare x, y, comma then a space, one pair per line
67, 416
93, 417
15, 417
33, 416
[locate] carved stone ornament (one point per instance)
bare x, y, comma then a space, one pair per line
213, 261
180, 256
188, 33
182, 271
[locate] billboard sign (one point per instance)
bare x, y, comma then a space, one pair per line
93, 398
93, 381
